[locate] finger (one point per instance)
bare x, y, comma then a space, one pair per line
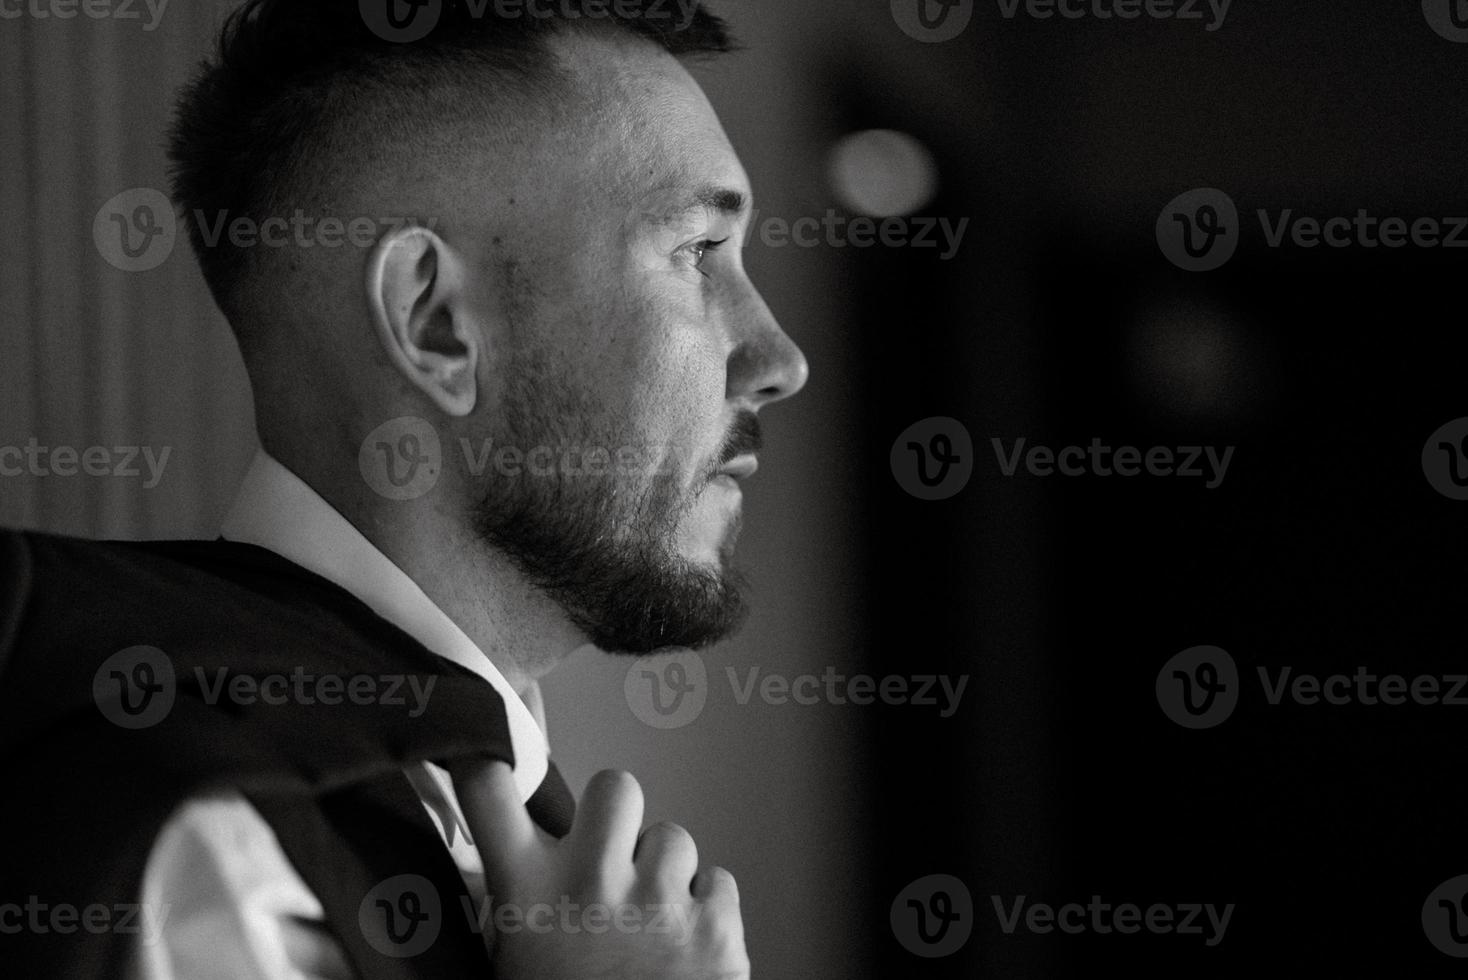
716, 886
666, 858
501, 827
604, 834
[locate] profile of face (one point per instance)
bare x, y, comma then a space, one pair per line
626, 353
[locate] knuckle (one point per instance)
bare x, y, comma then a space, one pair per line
718, 884
669, 832
667, 841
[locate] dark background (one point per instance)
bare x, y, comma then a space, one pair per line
1324, 549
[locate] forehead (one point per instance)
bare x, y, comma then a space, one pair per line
647, 125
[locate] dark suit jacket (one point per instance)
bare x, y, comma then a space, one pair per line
88, 795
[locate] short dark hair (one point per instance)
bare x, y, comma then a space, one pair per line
294, 80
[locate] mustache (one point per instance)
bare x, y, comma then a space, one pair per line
745, 436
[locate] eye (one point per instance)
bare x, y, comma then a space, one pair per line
700, 250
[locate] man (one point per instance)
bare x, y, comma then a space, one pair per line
206, 732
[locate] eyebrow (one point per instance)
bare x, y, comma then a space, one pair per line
725, 200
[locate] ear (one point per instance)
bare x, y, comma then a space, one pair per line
418, 301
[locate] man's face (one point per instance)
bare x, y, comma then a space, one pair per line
632, 346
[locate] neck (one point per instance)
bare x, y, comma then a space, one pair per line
522, 631
518, 628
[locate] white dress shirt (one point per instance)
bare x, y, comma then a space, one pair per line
220, 897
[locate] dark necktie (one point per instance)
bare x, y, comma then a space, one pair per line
552, 806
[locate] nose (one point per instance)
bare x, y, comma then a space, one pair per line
765, 365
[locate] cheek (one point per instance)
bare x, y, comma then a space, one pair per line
670, 376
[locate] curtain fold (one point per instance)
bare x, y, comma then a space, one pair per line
124, 365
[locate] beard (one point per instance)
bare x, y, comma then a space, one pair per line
603, 545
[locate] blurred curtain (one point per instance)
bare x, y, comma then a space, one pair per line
91, 355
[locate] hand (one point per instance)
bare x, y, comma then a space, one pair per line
605, 903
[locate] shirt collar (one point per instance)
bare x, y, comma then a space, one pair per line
275, 509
